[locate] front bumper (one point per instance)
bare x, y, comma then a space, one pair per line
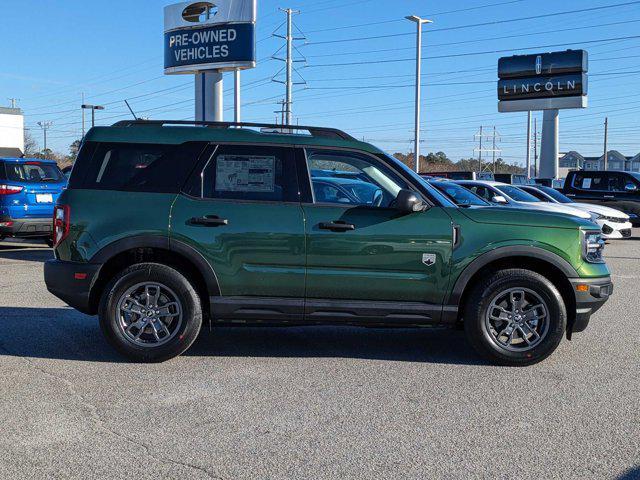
612, 230
71, 282
591, 294
25, 227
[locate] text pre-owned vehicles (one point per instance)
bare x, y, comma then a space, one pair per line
459, 175
29, 188
619, 190
614, 223
164, 224
512, 196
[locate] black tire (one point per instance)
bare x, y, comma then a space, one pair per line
186, 295
497, 283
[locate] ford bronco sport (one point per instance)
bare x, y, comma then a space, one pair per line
166, 224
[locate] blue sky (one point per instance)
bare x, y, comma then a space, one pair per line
53, 51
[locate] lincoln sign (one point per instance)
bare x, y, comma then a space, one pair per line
543, 82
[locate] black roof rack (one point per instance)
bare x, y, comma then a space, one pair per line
314, 131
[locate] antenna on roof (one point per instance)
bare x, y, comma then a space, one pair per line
131, 110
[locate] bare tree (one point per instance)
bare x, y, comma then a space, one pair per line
30, 145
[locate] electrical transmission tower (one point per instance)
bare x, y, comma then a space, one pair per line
289, 60
493, 138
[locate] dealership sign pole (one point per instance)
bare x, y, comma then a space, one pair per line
206, 39
547, 82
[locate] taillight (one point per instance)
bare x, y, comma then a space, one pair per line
10, 189
61, 218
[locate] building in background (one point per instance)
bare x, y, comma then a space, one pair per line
615, 161
11, 132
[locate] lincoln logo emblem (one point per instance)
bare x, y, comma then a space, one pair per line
538, 65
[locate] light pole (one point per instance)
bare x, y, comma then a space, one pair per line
419, 21
93, 109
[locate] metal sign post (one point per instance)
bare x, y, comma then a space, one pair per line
207, 39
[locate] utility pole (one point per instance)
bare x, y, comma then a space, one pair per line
535, 147
45, 126
606, 131
82, 110
416, 134
288, 61
528, 145
493, 150
13, 102
480, 152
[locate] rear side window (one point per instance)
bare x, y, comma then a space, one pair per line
590, 181
32, 172
141, 166
243, 172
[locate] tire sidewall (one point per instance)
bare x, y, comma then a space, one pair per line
186, 295
557, 316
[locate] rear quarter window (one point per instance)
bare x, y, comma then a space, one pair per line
136, 166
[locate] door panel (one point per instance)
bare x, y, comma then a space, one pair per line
240, 210
382, 258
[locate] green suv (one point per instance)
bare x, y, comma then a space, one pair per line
165, 224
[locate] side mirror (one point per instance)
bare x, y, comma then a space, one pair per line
630, 187
409, 202
499, 199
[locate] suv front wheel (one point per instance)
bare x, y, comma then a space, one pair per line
150, 312
515, 317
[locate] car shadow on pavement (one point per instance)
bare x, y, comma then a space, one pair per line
65, 334
25, 253
54, 333
430, 345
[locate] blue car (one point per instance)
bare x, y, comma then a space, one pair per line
29, 188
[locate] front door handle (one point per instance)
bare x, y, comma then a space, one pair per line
209, 221
337, 226
608, 196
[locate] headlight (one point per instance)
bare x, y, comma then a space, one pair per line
592, 246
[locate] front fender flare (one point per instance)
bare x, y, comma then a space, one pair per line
504, 252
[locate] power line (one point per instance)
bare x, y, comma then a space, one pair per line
466, 54
483, 24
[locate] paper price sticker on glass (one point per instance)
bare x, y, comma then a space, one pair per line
245, 173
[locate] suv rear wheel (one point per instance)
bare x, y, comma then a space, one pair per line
150, 312
515, 317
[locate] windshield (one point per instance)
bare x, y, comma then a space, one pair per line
460, 195
444, 201
556, 195
516, 194
33, 172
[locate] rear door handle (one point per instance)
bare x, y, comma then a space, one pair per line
337, 226
209, 221
608, 196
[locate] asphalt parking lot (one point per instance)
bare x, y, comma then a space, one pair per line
312, 403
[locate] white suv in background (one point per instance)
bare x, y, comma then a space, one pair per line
614, 223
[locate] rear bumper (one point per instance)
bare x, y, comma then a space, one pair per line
589, 300
25, 227
71, 282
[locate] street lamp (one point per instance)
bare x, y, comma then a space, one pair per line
419, 22
93, 109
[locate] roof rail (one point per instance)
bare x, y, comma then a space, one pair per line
314, 131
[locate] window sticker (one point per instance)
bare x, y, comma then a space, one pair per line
586, 182
245, 173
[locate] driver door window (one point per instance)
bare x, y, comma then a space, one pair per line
353, 179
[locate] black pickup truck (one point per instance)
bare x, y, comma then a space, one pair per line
615, 189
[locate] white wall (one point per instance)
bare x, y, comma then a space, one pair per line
12, 131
